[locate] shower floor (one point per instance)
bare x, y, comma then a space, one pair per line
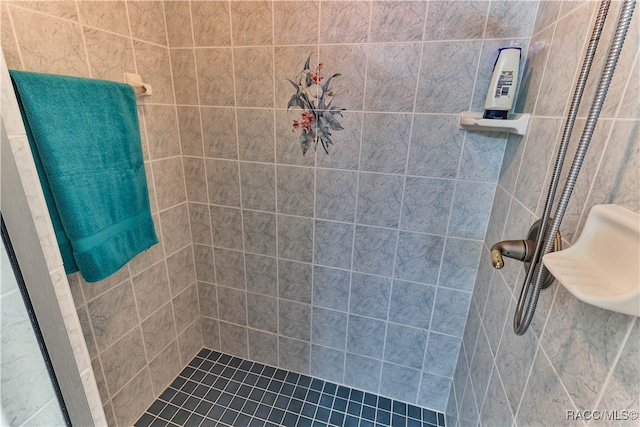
220, 390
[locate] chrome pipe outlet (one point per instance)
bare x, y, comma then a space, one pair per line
521, 250
524, 251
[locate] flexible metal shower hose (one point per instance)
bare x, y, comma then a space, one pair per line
544, 240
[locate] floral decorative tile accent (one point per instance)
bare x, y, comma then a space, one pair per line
318, 116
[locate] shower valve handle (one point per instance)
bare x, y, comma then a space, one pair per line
522, 250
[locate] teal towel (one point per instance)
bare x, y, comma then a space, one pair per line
85, 139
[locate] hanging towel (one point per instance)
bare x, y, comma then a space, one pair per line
85, 139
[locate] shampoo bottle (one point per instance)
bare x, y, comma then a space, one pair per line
502, 90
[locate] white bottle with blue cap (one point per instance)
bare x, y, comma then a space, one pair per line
504, 82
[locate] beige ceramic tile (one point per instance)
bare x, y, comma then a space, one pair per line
152, 255
200, 223
147, 21
100, 381
76, 290
110, 416
113, 314
154, 67
184, 307
175, 228
208, 300
110, 56
205, 268
210, 333
162, 131
223, 179
169, 182
153, 202
219, 132
211, 23
49, 45
62, 9
196, 179
287, 17
134, 399
165, 367
190, 133
181, 269
107, 15
215, 76
87, 331
8, 40
158, 330
178, 16
90, 386
92, 290
184, 76
190, 342
123, 360
151, 288
251, 23
254, 77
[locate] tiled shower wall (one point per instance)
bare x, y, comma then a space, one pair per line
574, 356
141, 325
363, 259
355, 266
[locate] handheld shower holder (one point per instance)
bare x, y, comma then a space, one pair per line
523, 250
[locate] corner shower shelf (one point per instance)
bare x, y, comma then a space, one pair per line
471, 120
602, 268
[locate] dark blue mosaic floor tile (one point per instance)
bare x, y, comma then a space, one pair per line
429, 417
263, 412
145, 420
300, 392
340, 404
203, 408
414, 412
229, 416
216, 389
383, 417
322, 414
317, 384
309, 410
159, 423
242, 420
168, 394
384, 403
354, 409
156, 407
398, 420
351, 421
368, 413
216, 412
276, 415
370, 399
256, 422
250, 407
336, 418
194, 420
